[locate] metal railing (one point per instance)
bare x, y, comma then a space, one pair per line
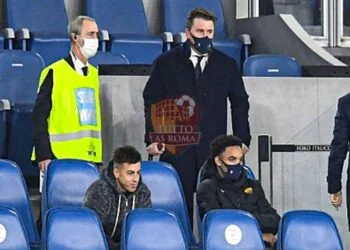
266, 149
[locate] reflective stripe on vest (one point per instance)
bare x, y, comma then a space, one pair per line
76, 135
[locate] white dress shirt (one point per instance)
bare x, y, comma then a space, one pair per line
78, 65
194, 58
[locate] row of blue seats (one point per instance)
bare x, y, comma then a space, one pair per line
67, 228
65, 184
41, 26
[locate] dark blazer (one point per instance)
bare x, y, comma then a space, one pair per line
245, 194
339, 149
173, 76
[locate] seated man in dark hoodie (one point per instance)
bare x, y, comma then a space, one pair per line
118, 191
224, 184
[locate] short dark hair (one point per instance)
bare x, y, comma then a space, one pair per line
220, 143
199, 13
126, 154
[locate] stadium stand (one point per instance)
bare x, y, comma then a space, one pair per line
271, 66
149, 228
69, 228
19, 78
308, 229
231, 229
12, 233
164, 183
14, 195
126, 23
41, 26
65, 183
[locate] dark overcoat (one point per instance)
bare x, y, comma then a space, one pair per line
172, 76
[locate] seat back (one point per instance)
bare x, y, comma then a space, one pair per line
12, 232
69, 228
19, 76
37, 15
19, 79
308, 229
119, 16
66, 182
231, 229
164, 183
152, 229
176, 12
14, 195
271, 65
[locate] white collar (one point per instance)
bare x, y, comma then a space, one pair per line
78, 65
196, 54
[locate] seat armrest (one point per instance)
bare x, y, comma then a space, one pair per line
9, 33
180, 38
168, 40
103, 36
4, 105
23, 35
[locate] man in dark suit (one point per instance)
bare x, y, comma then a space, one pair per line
203, 77
339, 150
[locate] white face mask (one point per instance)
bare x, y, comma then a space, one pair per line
90, 47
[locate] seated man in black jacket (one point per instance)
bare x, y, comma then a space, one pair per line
224, 184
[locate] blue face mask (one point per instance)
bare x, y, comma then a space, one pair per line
233, 171
203, 45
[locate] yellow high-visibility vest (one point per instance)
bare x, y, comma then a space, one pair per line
74, 123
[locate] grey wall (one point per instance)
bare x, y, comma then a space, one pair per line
292, 110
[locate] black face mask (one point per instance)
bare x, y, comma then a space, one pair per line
203, 45
233, 171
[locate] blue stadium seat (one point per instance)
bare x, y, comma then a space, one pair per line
148, 228
73, 228
127, 25
19, 79
167, 193
47, 23
14, 195
175, 14
12, 232
231, 229
308, 229
65, 183
271, 66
